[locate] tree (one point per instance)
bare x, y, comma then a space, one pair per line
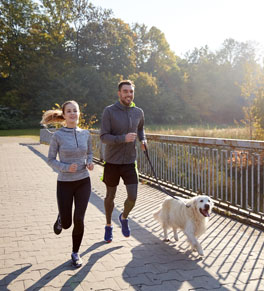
142, 47
156, 55
146, 95
16, 20
252, 89
258, 112
108, 46
69, 49
83, 14
236, 53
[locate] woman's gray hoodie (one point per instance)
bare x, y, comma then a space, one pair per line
74, 145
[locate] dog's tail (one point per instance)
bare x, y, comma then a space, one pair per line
156, 215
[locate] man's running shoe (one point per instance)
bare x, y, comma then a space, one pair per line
124, 226
108, 237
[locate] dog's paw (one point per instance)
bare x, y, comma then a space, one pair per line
200, 252
192, 249
166, 239
176, 238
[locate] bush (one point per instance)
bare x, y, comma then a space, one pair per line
13, 119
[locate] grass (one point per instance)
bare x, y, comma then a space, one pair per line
233, 132
228, 132
30, 133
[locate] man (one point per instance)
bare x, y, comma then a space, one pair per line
122, 122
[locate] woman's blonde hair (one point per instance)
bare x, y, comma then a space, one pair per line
56, 115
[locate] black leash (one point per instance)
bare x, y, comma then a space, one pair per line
154, 173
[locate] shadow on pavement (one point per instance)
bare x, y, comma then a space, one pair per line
155, 262
35, 151
10, 277
76, 279
156, 265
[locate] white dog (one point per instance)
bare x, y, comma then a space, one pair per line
191, 216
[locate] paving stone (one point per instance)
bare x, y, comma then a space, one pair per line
32, 257
165, 286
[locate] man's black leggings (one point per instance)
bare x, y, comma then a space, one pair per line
79, 192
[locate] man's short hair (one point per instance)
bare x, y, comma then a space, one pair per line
125, 82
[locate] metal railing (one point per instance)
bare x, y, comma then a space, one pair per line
230, 171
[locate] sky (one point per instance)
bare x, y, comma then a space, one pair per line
195, 23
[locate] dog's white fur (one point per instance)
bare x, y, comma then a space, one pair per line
191, 216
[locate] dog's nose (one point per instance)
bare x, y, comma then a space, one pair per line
206, 206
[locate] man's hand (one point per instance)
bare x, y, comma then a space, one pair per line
143, 145
131, 137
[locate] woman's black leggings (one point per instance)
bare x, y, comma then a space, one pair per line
79, 192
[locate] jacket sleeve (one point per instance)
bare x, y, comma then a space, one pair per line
89, 149
52, 155
105, 133
141, 132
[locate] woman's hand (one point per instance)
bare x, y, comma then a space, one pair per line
90, 166
73, 168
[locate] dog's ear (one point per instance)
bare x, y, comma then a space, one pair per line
212, 203
191, 202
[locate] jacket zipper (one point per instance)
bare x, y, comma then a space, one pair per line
76, 138
130, 123
129, 130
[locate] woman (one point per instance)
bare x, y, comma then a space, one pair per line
74, 147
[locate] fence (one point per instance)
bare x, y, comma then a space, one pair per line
230, 171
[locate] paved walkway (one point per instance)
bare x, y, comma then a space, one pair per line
32, 257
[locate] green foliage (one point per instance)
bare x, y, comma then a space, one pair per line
253, 93
258, 111
11, 119
55, 51
21, 132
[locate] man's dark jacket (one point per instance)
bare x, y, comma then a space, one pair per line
117, 121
